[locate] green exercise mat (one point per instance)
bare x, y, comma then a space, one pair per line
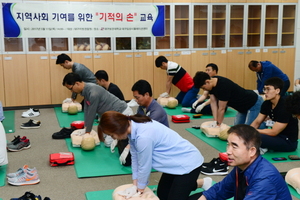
177, 111
107, 194
64, 119
220, 145
98, 162
2, 175
9, 121
293, 192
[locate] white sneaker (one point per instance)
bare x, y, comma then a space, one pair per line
32, 112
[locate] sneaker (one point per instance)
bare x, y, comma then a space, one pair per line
17, 141
215, 167
24, 179
63, 133
32, 112
31, 124
20, 171
24, 144
28, 196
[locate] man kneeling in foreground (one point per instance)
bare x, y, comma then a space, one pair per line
253, 177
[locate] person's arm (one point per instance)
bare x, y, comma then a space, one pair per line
214, 106
203, 97
262, 189
202, 198
169, 83
275, 130
90, 110
259, 119
221, 110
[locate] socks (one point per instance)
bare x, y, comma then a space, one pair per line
207, 183
186, 110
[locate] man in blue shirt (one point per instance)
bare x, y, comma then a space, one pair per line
253, 177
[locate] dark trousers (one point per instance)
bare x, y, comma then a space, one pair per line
177, 187
278, 143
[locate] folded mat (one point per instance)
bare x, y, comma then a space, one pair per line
64, 119
99, 162
177, 111
3, 175
220, 145
9, 121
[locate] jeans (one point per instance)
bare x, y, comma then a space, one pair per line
278, 143
186, 99
250, 115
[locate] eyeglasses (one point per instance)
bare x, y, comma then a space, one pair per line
265, 90
71, 87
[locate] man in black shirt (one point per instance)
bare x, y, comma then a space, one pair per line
281, 133
224, 92
102, 80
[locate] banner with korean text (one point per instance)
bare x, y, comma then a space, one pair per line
63, 19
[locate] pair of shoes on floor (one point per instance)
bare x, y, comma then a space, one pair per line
30, 196
31, 124
23, 176
63, 133
217, 166
32, 112
19, 144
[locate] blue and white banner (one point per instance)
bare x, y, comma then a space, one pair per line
82, 20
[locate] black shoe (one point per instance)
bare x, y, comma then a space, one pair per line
31, 124
63, 133
215, 167
28, 196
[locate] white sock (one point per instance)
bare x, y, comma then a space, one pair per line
263, 150
207, 183
186, 110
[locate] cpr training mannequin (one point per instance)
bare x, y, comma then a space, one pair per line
210, 129
293, 178
78, 135
120, 194
169, 102
69, 103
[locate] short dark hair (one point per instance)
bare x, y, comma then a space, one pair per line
142, 86
292, 103
71, 78
276, 82
253, 63
159, 60
200, 78
101, 74
213, 66
249, 134
62, 58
